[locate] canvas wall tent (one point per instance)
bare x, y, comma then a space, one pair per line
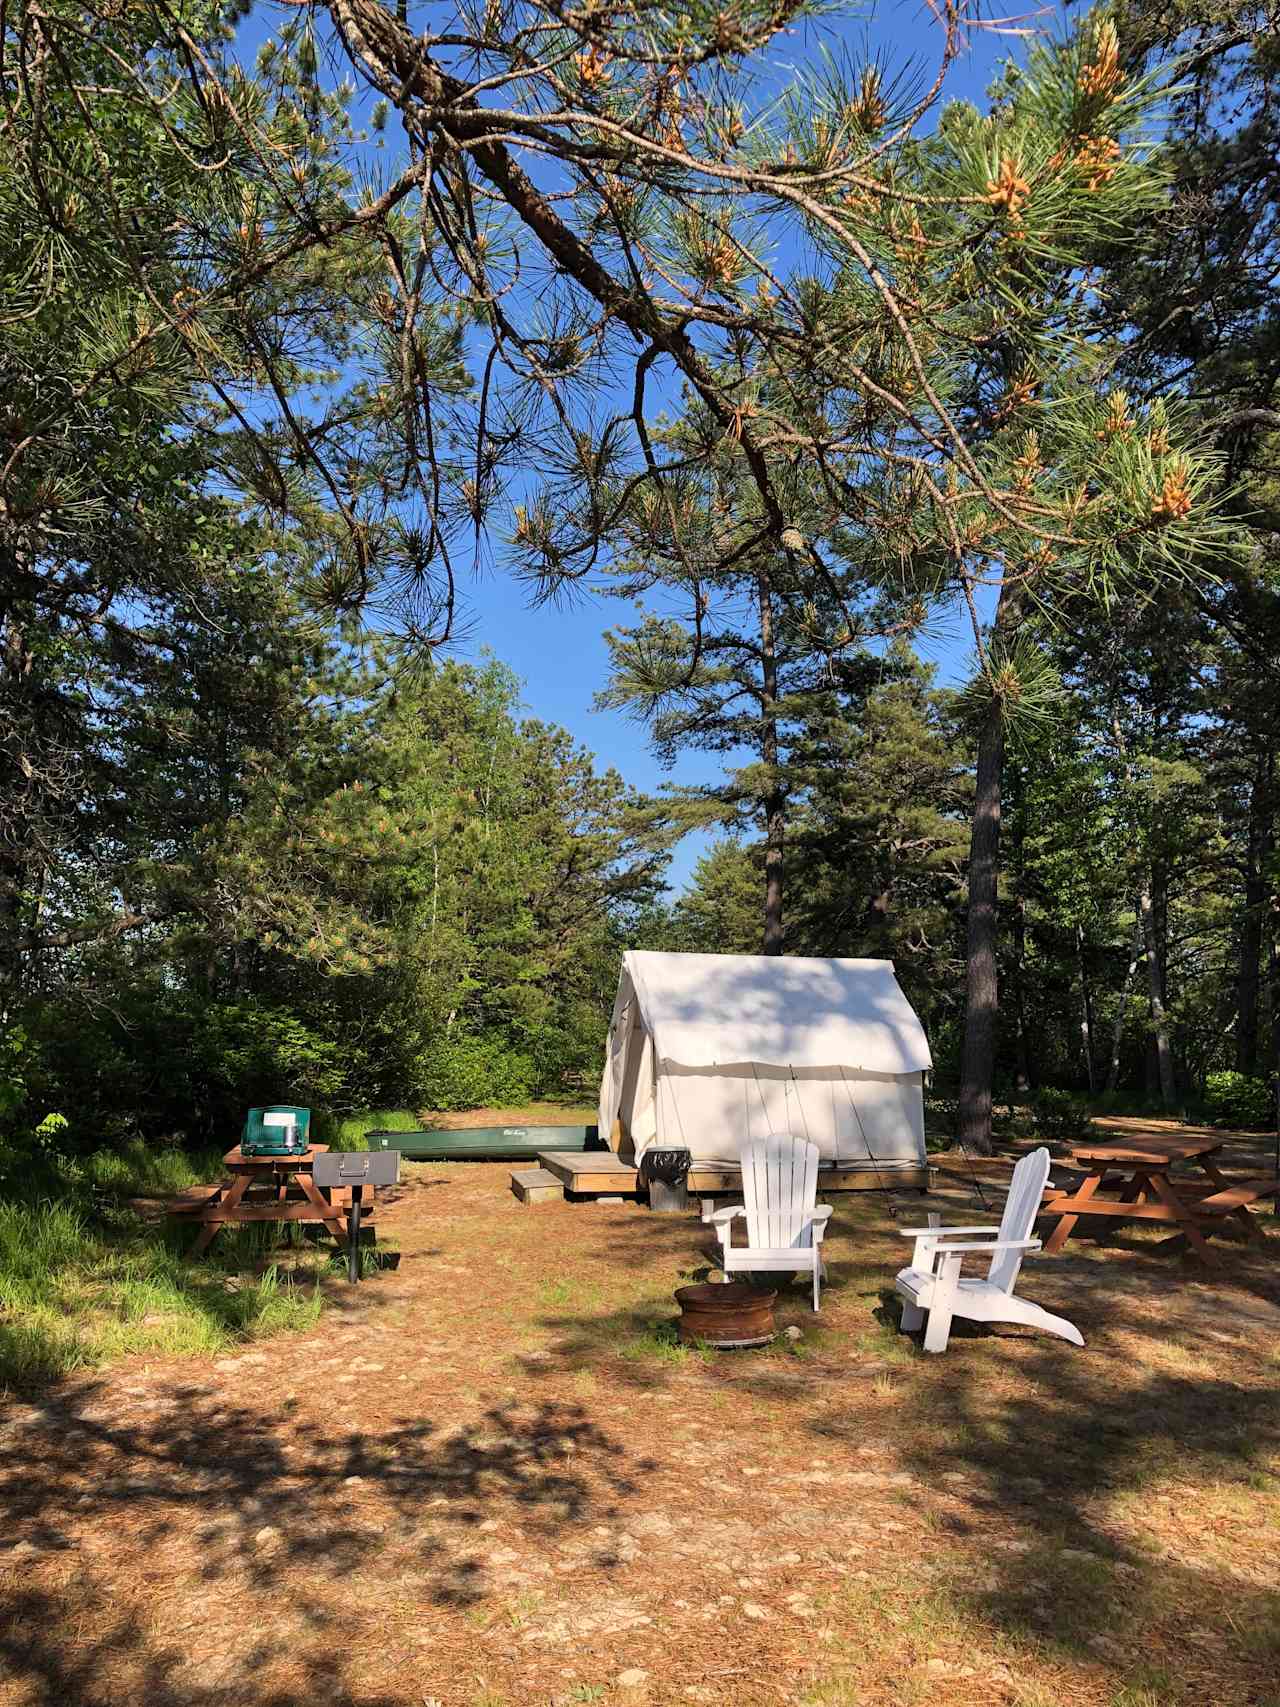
708, 1050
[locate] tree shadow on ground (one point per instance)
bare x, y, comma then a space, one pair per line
1112, 1490
1106, 1497
239, 1502
1113, 1486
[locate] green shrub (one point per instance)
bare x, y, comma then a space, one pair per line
259, 1054
466, 1071
31, 1147
1013, 1120
1234, 1099
1060, 1115
163, 1064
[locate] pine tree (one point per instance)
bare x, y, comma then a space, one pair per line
880, 845
1195, 300
879, 305
761, 666
719, 912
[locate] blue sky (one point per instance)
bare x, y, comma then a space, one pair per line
558, 651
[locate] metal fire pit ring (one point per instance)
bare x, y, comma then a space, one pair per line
728, 1317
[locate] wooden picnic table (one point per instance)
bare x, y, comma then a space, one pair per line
1132, 1179
272, 1188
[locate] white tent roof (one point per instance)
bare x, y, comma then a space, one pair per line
776, 1010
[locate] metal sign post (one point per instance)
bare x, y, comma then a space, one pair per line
353, 1170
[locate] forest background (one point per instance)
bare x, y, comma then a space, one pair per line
278, 382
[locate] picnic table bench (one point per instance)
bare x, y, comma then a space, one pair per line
270, 1188
1140, 1171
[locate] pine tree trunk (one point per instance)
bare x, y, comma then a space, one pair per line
775, 834
1025, 1075
18, 863
1117, 1030
1086, 1012
977, 1066
1155, 996
775, 800
978, 1055
1249, 969
1023, 1079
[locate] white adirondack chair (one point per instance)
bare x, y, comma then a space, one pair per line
784, 1224
933, 1284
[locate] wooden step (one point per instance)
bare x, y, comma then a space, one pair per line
536, 1185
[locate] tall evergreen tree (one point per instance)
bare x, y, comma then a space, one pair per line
880, 847
759, 669
1194, 300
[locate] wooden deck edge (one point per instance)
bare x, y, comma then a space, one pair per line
710, 1181
589, 1170
871, 1179
591, 1174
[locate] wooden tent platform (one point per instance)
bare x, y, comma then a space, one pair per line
589, 1171
601, 1172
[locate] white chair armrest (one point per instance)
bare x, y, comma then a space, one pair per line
943, 1232
990, 1245
722, 1217
821, 1214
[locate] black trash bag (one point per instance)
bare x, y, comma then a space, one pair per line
669, 1167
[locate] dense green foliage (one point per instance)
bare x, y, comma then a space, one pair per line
1232, 1099
793, 376
416, 899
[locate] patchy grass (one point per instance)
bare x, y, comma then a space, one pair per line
566, 1290
139, 1169
350, 1131
660, 1344
883, 1342
1151, 1686
78, 1291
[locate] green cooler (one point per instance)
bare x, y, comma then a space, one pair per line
278, 1130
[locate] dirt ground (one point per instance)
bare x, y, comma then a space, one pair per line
488, 1479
